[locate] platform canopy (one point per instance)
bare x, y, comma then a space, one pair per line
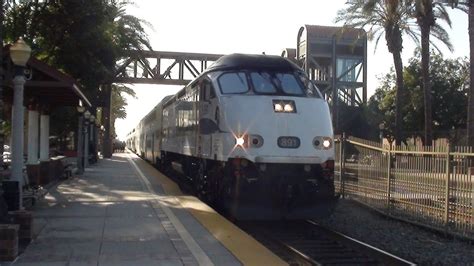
45, 85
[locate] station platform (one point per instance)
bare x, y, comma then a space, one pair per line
122, 211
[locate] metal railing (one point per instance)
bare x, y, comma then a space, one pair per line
432, 186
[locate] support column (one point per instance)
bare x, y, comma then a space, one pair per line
334, 87
17, 134
33, 141
96, 146
2, 136
44, 137
80, 145
44, 164
94, 141
91, 141
106, 118
86, 143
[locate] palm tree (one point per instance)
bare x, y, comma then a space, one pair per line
119, 103
390, 18
427, 14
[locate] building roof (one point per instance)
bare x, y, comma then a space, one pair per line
45, 83
317, 31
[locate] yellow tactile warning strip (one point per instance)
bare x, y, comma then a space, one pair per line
195, 249
244, 247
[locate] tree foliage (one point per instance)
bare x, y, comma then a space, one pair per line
388, 18
450, 80
83, 38
119, 103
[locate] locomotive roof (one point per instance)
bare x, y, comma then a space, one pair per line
239, 61
243, 61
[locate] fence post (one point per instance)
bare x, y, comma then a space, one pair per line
472, 196
448, 172
342, 163
389, 174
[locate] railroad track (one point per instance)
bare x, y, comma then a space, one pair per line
308, 243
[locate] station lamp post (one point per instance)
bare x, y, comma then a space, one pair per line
80, 140
87, 116
20, 53
102, 137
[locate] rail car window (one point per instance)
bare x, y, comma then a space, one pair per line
233, 83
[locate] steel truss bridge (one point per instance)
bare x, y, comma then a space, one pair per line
168, 68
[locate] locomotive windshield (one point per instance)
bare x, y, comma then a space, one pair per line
267, 83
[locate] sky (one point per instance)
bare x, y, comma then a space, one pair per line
250, 26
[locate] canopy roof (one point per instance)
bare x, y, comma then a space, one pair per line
45, 84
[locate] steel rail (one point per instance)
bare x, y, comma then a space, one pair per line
316, 245
380, 255
287, 252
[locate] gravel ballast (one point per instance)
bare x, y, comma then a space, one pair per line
402, 239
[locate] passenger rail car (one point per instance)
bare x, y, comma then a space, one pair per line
252, 133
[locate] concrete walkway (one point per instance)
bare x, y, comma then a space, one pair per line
112, 216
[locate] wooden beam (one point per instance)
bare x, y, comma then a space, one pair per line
46, 84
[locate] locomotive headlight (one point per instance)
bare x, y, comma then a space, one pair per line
327, 142
289, 108
249, 141
240, 141
278, 107
284, 106
322, 142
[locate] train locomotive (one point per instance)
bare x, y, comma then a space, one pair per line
252, 134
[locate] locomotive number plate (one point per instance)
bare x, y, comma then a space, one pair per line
288, 142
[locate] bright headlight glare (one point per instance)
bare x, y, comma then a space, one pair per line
327, 143
240, 141
288, 107
278, 107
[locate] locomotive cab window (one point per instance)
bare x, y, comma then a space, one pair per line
233, 83
268, 83
263, 83
289, 84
